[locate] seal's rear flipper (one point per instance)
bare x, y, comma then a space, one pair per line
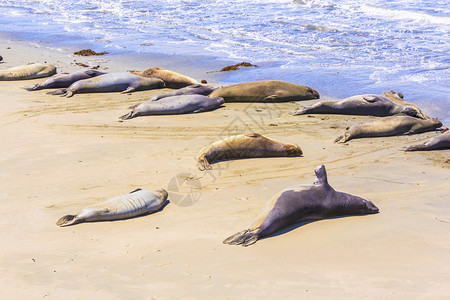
68, 220
35, 87
419, 147
321, 175
296, 112
129, 115
58, 92
203, 163
245, 238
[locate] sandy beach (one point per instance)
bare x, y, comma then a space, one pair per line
60, 154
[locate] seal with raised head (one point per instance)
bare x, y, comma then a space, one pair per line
399, 99
172, 79
174, 105
368, 105
31, 71
195, 89
301, 203
133, 204
244, 146
389, 126
265, 91
64, 81
441, 141
111, 82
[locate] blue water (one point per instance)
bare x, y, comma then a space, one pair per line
339, 47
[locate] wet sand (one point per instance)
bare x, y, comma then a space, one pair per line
60, 154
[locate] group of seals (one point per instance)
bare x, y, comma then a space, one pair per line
111, 82
301, 203
244, 146
135, 203
31, 71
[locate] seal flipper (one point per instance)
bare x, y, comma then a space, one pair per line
245, 238
35, 87
321, 175
68, 220
129, 90
132, 114
58, 92
203, 163
299, 111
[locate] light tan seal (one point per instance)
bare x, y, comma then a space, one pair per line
244, 146
265, 91
439, 142
389, 126
135, 203
172, 79
31, 71
399, 99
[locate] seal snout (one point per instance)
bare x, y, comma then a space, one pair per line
372, 209
293, 150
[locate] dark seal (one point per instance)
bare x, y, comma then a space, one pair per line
301, 203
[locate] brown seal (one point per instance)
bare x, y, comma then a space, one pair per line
244, 146
389, 126
172, 79
31, 71
265, 91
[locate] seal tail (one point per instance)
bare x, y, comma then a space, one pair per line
68, 220
203, 163
62, 92
35, 87
342, 138
299, 111
132, 114
419, 147
245, 238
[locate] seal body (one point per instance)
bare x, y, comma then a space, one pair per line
172, 79
65, 80
244, 146
31, 71
441, 141
136, 203
111, 82
195, 89
175, 105
265, 91
368, 105
301, 203
389, 126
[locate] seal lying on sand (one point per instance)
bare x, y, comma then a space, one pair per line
244, 146
195, 89
31, 71
441, 141
65, 80
172, 79
398, 98
388, 126
301, 203
369, 105
175, 105
136, 203
111, 82
265, 91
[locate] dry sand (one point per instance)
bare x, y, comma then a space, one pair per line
61, 154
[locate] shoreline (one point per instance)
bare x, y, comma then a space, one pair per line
61, 154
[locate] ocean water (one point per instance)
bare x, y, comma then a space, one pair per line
339, 47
